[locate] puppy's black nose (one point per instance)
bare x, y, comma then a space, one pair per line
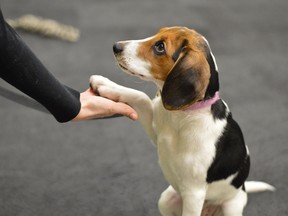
117, 48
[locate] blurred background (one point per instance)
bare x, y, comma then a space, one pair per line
109, 167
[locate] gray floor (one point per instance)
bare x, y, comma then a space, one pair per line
108, 167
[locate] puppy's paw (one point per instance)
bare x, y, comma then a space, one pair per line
104, 87
97, 81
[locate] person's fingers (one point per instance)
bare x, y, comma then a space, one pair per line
93, 106
90, 92
124, 109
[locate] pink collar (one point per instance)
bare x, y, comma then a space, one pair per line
203, 104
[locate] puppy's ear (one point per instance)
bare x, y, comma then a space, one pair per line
187, 81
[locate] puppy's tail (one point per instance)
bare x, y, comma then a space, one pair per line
257, 186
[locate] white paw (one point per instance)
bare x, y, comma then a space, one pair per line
97, 81
104, 87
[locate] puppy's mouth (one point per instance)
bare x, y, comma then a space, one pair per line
125, 68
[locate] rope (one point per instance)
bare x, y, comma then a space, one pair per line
45, 27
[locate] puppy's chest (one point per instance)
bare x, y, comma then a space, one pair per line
185, 142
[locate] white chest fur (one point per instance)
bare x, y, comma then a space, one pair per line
186, 143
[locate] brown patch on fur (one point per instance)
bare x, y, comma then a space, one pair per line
200, 65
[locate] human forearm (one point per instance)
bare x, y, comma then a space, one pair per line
21, 68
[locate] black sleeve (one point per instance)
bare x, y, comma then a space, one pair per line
22, 69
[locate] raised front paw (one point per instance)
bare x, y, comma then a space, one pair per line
97, 81
104, 87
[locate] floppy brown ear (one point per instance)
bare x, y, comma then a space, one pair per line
187, 81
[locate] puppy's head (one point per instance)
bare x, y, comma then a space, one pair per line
177, 59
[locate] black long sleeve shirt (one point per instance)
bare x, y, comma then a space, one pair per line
21, 68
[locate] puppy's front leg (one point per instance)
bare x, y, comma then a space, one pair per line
193, 201
137, 99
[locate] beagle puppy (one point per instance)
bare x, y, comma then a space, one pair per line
200, 146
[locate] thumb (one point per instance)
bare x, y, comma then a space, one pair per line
124, 109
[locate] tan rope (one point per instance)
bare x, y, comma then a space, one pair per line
45, 27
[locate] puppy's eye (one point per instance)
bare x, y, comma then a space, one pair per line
159, 48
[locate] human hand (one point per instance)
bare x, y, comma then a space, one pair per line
93, 106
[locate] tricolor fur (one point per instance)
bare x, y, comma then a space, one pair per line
201, 151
